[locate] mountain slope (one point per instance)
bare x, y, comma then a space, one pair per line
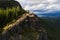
52, 25
9, 11
27, 27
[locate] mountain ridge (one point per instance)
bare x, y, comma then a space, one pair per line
26, 27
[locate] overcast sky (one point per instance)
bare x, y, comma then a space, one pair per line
40, 6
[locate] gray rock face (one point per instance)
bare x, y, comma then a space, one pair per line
28, 29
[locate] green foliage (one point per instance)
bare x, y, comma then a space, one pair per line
9, 14
52, 26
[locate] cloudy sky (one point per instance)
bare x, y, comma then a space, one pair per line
40, 6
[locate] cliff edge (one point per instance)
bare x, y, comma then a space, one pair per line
27, 27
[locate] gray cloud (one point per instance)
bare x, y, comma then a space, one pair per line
45, 5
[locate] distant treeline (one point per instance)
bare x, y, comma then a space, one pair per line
9, 14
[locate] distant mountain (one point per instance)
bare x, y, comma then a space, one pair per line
51, 14
52, 25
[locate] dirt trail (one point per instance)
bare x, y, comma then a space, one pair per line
30, 29
8, 27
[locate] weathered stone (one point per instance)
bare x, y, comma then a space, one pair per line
28, 29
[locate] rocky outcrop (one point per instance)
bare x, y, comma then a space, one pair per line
27, 27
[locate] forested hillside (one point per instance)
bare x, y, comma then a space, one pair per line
9, 11
52, 25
